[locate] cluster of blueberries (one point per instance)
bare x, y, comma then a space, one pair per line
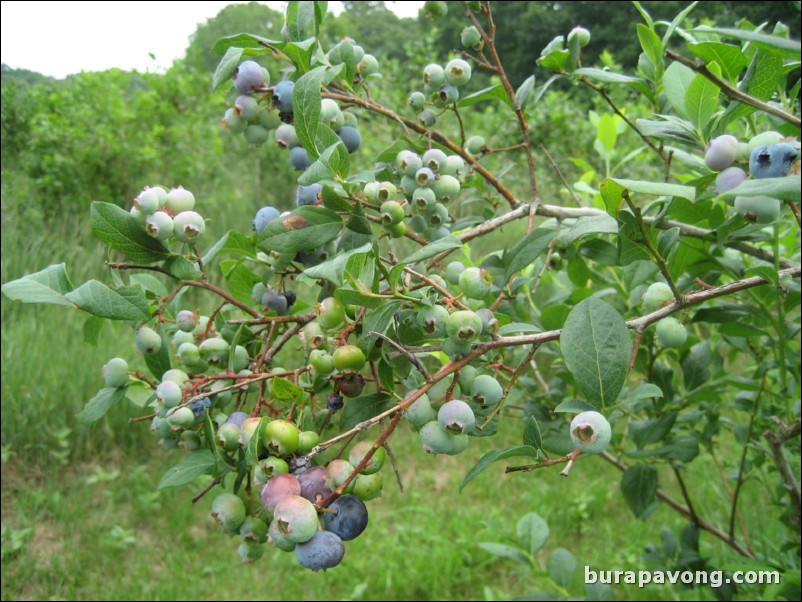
168, 215
769, 155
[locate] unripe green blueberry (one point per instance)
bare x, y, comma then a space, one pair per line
169, 393
408, 163
590, 432
248, 429
360, 450
241, 358
250, 551
455, 349
658, 295
455, 166
763, 139
115, 373
273, 466
670, 332
490, 323
448, 94
392, 212
307, 440
475, 145
417, 101
321, 361
348, 358
396, 230
215, 351
229, 436
458, 72
475, 283
420, 412
330, 313
221, 398
203, 325
181, 418
486, 390
423, 198
256, 135
581, 34
436, 440
466, 378
189, 354
368, 65
286, 137
179, 377
254, 529
280, 437
229, 510
427, 118
278, 539
446, 188
456, 416
188, 226
337, 472
453, 271
179, 200
471, 38
435, 9
190, 440
186, 320
434, 75
760, 209
233, 122
432, 321
147, 202
147, 340
313, 337
368, 487
434, 159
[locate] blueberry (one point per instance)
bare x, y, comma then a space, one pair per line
350, 137
581, 34
392, 212
286, 137
229, 510
425, 177
233, 122
658, 295
237, 418
486, 390
334, 402
351, 384
337, 472
246, 107
348, 358
423, 198
313, 484
368, 65
368, 487
436, 440
458, 72
729, 179
420, 412
273, 301
199, 407
773, 161
471, 38
358, 453
256, 135
590, 432
330, 313
417, 100
453, 271
475, 145
282, 95
308, 195
448, 94
432, 321
348, 517
115, 373
280, 486
300, 158
297, 518
147, 340
215, 350
179, 199
249, 77
721, 152
280, 437
324, 551
408, 163
446, 188
147, 202
456, 416
427, 117
671, 333
186, 320
291, 297
188, 226
264, 216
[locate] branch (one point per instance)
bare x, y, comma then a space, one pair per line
777, 438
732, 92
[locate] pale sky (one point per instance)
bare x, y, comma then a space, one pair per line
59, 38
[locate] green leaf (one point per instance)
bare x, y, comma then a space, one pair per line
360, 298
786, 188
606, 77
677, 80
123, 232
97, 407
667, 242
496, 455
589, 224
657, 188
182, 268
532, 532
574, 406
139, 394
518, 328
364, 408
506, 551
596, 347
124, 303
158, 363
532, 436
332, 269
299, 17
48, 286
240, 280
652, 46
763, 40
696, 365
527, 250
92, 328
525, 90
639, 486
243, 40
150, 283
612, 194
701, 102
761, 79
305, 229
377, 321
332, 163
606, 132
642, 391
646, 432
768, 274
232, 242
433, 248
727, 56
193, 465
306, 109
562, 565
254, 443
227, 66
494, 92
284, 389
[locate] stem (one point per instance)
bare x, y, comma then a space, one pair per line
133, 266
776, 439
560, 175
206, 489
732, 92
544, 464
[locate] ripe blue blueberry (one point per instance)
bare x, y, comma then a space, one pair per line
308, 195
300, 158
773, 161
351, 138
249, 77
264, 216
324, 551
273, 301
282, 95
348, 517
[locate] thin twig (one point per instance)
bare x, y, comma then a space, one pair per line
776, 438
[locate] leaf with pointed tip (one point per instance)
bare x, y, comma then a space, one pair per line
47, 286
125, 233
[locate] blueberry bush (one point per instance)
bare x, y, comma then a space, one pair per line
647, 314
